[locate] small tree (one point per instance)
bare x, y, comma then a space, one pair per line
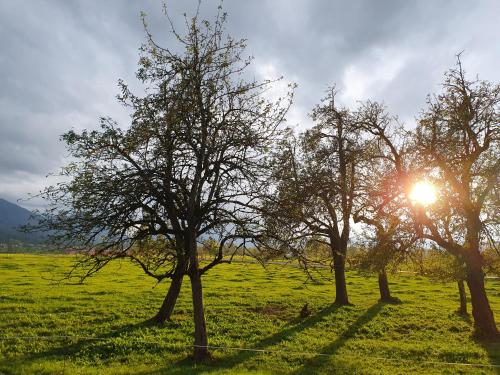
316, 182
188, 168
386, 245
381, 200
441, 266
457, 144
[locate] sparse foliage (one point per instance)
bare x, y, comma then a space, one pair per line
457, 144
316, 179
189, 167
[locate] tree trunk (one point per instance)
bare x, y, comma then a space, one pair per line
383, 285
484, 321
340, 283
167, 307
463, 297
201, 352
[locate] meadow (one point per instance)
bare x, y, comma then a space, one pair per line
98, 327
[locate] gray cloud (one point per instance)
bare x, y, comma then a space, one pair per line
61, 60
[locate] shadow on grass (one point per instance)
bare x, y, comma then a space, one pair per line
321, 360
187, 366
309, 367
492, 347
103, 348
98, 346
464, 316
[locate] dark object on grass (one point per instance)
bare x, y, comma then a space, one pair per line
305, 312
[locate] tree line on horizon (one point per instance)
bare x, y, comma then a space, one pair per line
208, 155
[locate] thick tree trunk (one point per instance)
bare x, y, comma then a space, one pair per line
340, 283
383, 285
484, 321
201, 352
167, 307
463, 297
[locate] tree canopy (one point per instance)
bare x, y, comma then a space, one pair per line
187, 168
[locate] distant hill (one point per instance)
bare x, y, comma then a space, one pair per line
11, 217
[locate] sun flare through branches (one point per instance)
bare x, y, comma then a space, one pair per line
423, 193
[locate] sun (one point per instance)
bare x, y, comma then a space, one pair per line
423, 193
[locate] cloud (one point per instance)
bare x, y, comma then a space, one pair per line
371, 75
61, 60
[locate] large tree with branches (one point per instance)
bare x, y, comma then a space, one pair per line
457, 145
190, 166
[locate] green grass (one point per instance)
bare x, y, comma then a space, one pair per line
246, 307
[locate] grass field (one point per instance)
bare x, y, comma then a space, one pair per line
97, 328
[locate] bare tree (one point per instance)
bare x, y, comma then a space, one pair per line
189, 167
457, 145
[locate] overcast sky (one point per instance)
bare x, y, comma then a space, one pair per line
60, 61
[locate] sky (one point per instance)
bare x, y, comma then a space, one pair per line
60, 61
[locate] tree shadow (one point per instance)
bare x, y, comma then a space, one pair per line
492, 347
296, 326
99, 345
186, 366
464, 317
320, 360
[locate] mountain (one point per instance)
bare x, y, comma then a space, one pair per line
11, 217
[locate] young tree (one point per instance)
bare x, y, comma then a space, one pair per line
316, 181
387, 244
187, 168
440, 265
381, 195
457, 144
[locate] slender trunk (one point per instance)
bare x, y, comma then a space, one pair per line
200, 330
340, 283
383, 285
463, 297
167, 307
